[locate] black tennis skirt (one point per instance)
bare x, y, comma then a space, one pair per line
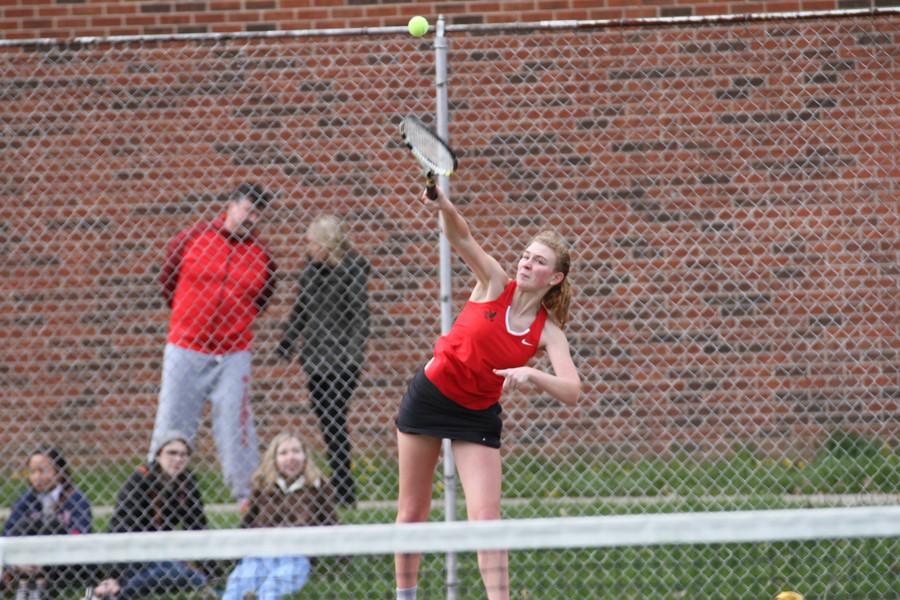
424, 410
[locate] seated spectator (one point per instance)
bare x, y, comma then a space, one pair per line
288, 490
51, 506
160, 496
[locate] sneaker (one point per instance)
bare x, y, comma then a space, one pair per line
249, 596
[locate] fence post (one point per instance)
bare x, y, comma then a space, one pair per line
440, 84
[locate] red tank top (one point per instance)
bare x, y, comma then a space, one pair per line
478, 343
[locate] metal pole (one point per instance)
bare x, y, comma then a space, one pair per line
443, 130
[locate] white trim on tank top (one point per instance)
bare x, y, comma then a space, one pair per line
509, 329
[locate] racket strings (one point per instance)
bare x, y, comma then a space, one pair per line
429, 149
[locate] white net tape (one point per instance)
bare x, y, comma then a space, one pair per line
736, 527
630, 541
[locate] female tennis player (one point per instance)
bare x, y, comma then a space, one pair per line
456, 395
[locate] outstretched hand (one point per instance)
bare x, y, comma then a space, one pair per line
514, 378
441, 197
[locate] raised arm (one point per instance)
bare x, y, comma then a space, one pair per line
563, 384
489, 275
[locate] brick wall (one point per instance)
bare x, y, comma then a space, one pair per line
737, 264
70, 18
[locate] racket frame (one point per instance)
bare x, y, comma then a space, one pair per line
431, 168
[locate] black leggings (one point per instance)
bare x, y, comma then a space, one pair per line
331, 393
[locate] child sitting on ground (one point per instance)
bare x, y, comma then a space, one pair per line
288, 490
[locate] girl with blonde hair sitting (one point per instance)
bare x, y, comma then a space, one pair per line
288, 490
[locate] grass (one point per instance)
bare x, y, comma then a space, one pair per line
846, 464
537, 487
842, 569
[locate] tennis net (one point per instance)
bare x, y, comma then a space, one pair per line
821, 553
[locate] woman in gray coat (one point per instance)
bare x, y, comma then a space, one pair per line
331, 315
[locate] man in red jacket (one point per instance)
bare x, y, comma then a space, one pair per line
217, 277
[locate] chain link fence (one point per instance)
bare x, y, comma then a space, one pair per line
729, 189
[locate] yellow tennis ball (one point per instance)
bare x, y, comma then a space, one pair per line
788, 596
418, 26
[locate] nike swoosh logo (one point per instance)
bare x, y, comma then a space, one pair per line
527, 343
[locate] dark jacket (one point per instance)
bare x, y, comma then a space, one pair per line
150, 502
72, 515
332, 314
274, 507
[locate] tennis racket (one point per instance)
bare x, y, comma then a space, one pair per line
431, 151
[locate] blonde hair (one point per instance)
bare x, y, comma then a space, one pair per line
328, 232
559, 297
267, 473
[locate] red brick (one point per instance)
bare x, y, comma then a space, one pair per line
106, 21
121, 9
72, 23
36, 24
639, 12
210, 17
777, 7
87, 9
277, 15
53, 11
176, 19
224, 5
818, 4
379, 12
140, 20
315, 14
241, 17
605, 14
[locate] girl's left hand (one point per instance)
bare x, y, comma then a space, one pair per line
514, 378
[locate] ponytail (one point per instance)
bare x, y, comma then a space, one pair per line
557, 301
558, 298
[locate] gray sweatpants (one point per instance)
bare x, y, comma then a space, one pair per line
189, 379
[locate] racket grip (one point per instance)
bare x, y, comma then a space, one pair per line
430, 188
